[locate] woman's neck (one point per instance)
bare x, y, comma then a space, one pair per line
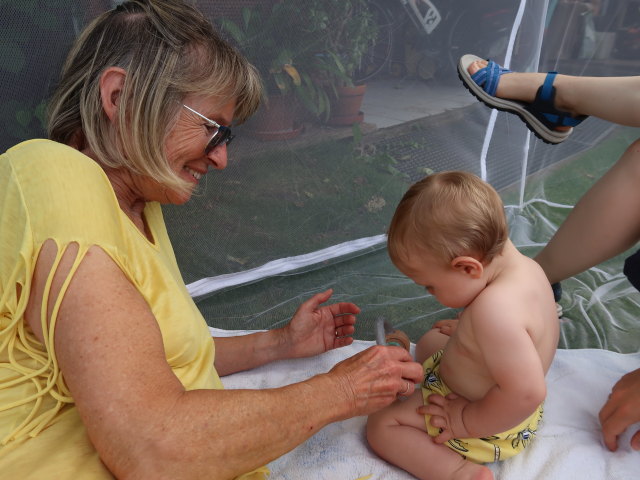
130, 202
129, 198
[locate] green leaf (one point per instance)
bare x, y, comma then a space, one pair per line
40, 113
325, 105
281, 82
312, 102
293, 73
246, 17
23, 117
234, 30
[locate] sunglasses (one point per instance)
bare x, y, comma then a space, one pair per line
221, 136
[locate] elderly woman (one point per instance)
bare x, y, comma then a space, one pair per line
106, 365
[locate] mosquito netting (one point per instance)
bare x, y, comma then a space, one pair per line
305, 206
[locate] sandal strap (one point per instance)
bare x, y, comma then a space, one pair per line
489, 77
543, 106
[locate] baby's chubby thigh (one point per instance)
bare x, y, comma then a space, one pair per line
402, 412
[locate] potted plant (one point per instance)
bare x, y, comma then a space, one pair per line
266, 35
338, 33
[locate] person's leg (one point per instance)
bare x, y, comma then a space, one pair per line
398, 434
616, 99
605, 222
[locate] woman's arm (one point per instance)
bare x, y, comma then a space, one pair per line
145, 425
313, 329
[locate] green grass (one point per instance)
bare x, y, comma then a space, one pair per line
283, 203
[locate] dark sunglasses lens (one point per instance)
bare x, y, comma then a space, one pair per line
222, 136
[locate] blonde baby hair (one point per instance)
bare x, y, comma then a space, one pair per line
449, 214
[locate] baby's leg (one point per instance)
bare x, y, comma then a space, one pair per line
398, 434
430, 343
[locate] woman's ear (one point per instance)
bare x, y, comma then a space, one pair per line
468, 265
111, 85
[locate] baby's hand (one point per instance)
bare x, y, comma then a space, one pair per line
446, 327
446, 414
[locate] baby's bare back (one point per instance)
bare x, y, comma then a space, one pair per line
509, 331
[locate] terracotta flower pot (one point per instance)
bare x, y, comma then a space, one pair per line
345, 110
276, 119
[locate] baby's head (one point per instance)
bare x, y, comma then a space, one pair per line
447, 215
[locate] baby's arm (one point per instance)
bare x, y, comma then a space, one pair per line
513, 363
446, 327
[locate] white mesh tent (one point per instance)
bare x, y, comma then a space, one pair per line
308, 210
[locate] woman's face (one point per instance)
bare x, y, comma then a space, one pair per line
185, 145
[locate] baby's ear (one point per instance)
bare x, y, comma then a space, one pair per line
468, 265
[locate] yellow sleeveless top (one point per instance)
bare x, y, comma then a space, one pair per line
51, 191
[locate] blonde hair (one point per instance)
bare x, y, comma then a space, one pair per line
449, 214
169, 50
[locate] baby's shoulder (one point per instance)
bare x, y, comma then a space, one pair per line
523, 279
506, 299
521, 297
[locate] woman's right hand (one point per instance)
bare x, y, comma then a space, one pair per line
374, 378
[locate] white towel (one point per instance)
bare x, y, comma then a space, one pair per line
568, 445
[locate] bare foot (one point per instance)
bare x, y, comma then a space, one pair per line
477, 65
473, 471
399, 338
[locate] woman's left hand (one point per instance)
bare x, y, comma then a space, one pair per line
316, 329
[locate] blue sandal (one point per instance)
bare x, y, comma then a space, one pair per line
541, 116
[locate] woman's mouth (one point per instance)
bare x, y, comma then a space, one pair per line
193, 173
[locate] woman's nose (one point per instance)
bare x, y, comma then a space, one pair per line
218, 157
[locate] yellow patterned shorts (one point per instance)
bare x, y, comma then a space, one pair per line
478, 450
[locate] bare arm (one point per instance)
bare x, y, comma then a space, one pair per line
145, 425
244, 352
314, 329
446, 327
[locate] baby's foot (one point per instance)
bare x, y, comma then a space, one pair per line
399, 339
473, 471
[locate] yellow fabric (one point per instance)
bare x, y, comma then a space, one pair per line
480, 450
49, 191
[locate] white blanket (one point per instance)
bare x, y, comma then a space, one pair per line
568, 444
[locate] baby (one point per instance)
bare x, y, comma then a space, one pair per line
484, 381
